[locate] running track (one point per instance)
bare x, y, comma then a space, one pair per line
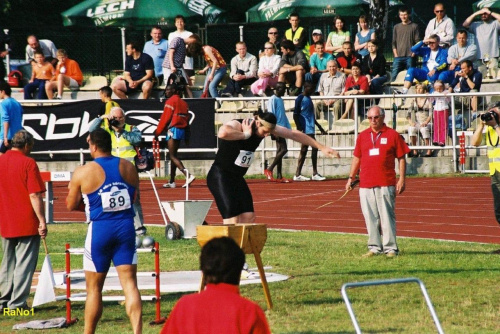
436, 208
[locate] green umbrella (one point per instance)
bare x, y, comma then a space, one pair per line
486, 3
140, 13
273, 10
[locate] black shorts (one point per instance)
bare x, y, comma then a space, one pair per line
136, 89
230, 191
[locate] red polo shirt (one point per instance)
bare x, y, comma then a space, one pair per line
378, 153
218, 309
20, 177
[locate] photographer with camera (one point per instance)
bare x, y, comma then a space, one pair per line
491, 119
124, 139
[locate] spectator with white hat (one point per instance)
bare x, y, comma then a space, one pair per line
317, 35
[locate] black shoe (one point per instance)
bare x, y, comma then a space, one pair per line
294, 91
226, 95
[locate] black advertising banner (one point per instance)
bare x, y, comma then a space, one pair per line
65, 126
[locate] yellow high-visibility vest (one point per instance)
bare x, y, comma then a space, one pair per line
493, 142
298, 33
121, 147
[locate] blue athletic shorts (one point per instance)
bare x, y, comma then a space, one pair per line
109, 240
177, 134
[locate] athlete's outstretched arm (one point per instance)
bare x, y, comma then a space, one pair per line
304, 139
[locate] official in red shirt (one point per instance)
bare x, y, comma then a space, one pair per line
375, 153
22, 220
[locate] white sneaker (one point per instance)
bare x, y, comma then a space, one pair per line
301, 178
169, 185
189, 181
318, 177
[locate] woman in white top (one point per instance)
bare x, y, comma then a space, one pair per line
337, 37
268, 71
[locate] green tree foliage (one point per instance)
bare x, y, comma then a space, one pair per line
35, 13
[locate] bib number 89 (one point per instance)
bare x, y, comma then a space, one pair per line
115, 200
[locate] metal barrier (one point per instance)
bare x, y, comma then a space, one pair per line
342, 134
387, 282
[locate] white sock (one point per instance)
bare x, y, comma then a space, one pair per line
405, 90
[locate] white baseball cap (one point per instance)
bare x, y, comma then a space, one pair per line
317, 32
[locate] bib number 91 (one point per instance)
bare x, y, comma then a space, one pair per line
244, 159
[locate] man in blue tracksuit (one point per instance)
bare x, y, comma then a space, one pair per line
433, 63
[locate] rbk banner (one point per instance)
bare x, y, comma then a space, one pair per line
66, 126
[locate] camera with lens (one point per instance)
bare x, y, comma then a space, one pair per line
491, 114
114, 122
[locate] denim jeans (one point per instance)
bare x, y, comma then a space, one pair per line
448, 76
376, 85
399, 64
314, 78
29, 90
218, 76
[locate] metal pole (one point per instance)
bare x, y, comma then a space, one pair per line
454, 136
241, 33
7, 57
387, 282
123, 45
49, 203
187, 184
82, 157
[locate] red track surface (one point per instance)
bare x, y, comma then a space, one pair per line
436, 208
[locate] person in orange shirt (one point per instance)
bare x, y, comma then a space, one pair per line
68, 74
42, 71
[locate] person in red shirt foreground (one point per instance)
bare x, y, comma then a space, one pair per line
22, 223
219, 308
175, 118
375, 153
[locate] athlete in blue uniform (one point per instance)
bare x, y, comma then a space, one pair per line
238, 141
305, 121
107, 187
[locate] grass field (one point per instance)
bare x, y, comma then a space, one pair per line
461, 278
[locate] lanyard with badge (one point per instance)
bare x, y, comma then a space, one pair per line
375, 150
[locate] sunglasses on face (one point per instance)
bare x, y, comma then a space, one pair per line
272, 33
